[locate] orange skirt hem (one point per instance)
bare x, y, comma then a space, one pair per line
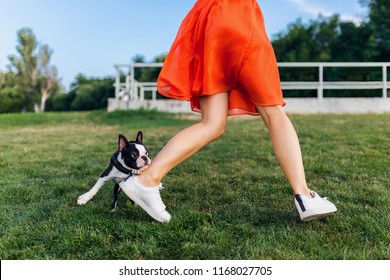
235, 111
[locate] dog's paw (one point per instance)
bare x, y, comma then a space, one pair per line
83, 199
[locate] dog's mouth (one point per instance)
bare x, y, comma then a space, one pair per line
145, 164
142, 168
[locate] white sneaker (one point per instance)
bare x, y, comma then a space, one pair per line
313, 208
148, 198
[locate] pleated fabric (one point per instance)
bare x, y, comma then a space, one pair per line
222, 46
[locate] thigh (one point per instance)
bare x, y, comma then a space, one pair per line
215, 107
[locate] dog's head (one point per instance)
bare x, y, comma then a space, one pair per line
134, 153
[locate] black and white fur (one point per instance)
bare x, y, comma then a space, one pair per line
130, 159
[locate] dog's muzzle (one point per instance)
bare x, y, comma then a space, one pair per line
145, 162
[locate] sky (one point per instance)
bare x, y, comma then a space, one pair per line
90, 36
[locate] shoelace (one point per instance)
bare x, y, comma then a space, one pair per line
157, 189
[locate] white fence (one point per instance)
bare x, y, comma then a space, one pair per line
130, 93
321, 85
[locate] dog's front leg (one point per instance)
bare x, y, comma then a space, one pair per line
91, 193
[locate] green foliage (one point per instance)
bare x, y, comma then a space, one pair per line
85, 94
11, 97
226, 203
328, 39
306, 43
353, 43
151, 74
324, 40
92, 93
61, 102
379, 15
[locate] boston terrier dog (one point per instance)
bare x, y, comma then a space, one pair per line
130, 159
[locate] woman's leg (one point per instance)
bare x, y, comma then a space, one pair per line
286, 146
189, 140
145, 188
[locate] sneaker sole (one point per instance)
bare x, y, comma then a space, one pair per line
142, 204
317, 214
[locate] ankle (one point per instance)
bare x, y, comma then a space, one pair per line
303, 191
149, 180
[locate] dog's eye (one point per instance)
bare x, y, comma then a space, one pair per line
134, 155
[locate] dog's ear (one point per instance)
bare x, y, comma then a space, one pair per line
140, 137
122, 143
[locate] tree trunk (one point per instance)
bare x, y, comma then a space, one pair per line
36, 108
44, 97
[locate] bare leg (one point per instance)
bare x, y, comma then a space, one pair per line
286, 146
189, 140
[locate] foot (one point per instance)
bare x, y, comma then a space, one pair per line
84, 198
313, 208
148, 198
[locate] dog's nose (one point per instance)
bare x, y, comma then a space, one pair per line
145, 158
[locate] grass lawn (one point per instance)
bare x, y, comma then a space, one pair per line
229, 201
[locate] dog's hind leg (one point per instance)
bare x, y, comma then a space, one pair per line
114, 203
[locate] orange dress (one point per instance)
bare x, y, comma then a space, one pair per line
222, 46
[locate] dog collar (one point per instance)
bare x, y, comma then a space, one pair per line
121, 168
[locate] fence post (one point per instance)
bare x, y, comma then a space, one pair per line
142, 94
128, 86
154, 95
132, 84
320, 91
117, 84
384, 80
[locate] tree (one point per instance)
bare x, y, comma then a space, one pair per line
138, 58
353, 43
11, 99
309, 43
2, 78
325, 39
34, 75
150, 74
26, 65
60, 101
379, 21
91, 93
47, 77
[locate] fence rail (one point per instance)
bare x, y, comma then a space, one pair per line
321, 84
130, 89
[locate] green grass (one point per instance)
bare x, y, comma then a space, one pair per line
229, 201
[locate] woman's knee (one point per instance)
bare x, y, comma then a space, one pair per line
220, 129
214, 129
270, 113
